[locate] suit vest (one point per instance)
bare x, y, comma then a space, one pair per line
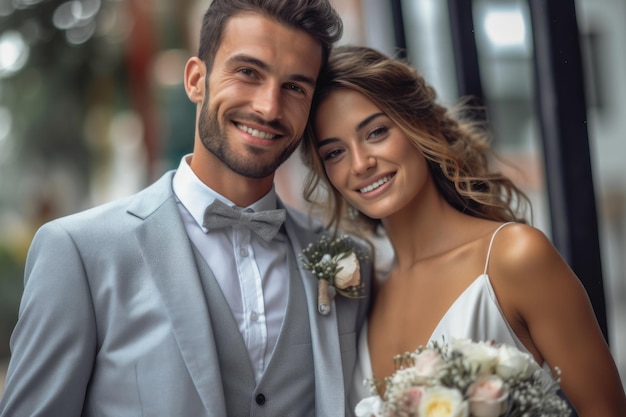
287, 387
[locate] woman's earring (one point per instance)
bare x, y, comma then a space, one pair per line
353, 214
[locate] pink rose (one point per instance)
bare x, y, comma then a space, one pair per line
413, 396
428, 363
487, 396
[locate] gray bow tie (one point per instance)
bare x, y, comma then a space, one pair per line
264, 223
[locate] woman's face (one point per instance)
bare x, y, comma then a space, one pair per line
367, 158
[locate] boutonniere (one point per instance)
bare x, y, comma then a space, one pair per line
335, 263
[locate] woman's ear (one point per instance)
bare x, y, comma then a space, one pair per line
195, 75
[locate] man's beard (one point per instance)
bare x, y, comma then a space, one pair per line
214, 139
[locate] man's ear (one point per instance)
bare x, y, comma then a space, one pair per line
195, 75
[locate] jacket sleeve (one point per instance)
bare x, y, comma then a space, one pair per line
53, 345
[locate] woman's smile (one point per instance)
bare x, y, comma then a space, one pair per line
376, 184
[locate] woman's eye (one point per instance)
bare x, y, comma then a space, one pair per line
378, 132
331, 154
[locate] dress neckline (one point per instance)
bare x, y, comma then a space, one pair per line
475, 282
482, 278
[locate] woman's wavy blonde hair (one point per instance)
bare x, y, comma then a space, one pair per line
456, 148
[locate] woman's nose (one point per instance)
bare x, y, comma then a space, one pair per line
362, 162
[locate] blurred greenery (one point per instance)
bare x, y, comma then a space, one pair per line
72, 81
48, 99
50, 96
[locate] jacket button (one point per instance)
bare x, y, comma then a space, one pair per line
260, 399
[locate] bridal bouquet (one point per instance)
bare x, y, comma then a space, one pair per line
467, 379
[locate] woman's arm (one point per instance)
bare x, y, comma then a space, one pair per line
548, 307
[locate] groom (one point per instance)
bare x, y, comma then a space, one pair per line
155, 305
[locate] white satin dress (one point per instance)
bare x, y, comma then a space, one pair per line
474, 315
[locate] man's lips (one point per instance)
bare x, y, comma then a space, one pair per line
255, 132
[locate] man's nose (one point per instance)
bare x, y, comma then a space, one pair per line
267, 101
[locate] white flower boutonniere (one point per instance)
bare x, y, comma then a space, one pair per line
335, 263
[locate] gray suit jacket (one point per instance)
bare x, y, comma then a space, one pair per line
113, 320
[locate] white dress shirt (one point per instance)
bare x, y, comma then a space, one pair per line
252, 273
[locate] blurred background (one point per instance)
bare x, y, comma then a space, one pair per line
92, 108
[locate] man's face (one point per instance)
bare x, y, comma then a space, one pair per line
258, 94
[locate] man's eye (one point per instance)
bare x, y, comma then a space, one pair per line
296, 88
247, 71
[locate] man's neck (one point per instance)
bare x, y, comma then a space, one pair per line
241, 190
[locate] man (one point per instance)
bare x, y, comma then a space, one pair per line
149, 307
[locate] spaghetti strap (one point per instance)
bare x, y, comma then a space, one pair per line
491, 243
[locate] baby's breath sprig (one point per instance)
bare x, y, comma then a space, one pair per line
335, 264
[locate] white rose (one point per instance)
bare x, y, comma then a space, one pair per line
349, 272
513, 362
443, 402
368, 407
481, 356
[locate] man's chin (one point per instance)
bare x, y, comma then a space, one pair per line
254, 171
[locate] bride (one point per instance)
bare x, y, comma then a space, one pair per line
466, 263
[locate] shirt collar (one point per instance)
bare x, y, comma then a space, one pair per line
195, 196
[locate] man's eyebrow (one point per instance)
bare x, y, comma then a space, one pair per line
303, 79
247, 59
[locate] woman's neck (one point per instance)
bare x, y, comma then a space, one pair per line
428, 228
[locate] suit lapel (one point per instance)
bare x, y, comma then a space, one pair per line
329, 384
168, 255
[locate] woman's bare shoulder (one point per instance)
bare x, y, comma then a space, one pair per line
520, 247
524, 263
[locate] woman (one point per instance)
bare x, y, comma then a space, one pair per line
466, 263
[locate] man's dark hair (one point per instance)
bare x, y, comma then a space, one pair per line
315, 17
